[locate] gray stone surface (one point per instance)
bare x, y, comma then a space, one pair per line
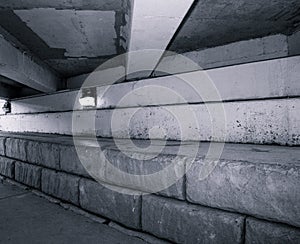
113, 203
2, 146
139, 165
69, 161
60, 185
184, 223
45, 154
16, 148
268, 191
258, 231
26, 218
28, 174
7, 167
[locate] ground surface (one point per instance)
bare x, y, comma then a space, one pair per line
27, 218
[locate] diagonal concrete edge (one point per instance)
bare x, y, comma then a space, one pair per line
153, 24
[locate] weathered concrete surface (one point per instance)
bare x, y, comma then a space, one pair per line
275, 46
79, 29
114, 205
293, 41
45, 154
267, 79
2, 146
16, 148
148, 238
7, 167
27, 174
262, 189
20, 67
60, 185
258, 231
217, 23
245, 122
30, 219
183, 223
9, 190
73, 4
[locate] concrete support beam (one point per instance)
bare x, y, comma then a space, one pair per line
153, 25
21, 68
260, 80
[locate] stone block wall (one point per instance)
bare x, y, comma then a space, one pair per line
253, 200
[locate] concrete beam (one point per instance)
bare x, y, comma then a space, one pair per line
245, 122
260, 80
58, 4
153, 25
25, 70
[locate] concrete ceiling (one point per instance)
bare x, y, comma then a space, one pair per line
71, 36
218, 22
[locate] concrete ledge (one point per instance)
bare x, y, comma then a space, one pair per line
270, 233
245, 122
183, 223
28, 175
113, 205
60, 185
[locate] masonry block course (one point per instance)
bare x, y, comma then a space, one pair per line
16, 148
28, 174
138, 165
258, 231
268, 191
45, 154
7, 167
115, 205
2, 146
60, 185
184, 223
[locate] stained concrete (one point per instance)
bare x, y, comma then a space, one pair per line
218, 22
26, 218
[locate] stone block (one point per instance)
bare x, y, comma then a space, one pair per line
258, 231
118, 204
45, 154
60, 185
264, 190
28, 174
140, 165
7, 167
70, 162
180, 222
2, 146
16, 148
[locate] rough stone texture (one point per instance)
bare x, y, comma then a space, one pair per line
2, 146
27, 174
118, 204
7, 167
60, 185
45, 154
16, 148
70, 162
258, 231
184, 223
138, 164
266, 190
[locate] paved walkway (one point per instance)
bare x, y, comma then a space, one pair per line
27, 218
